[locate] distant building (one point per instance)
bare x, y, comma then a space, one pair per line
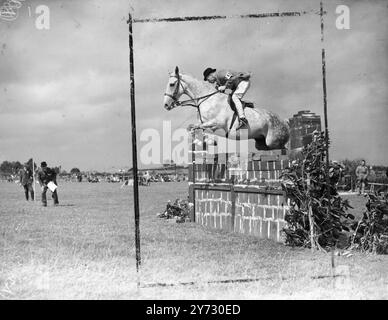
302, 125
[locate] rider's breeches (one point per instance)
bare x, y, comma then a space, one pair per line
238, 94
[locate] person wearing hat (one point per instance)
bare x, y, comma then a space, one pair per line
46, 175
335, 173
26, 180
238, 82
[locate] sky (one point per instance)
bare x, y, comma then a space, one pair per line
64, 92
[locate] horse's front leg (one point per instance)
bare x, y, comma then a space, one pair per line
211, 124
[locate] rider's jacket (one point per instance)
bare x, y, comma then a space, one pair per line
231, 79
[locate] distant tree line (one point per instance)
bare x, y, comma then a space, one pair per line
13, 167
10, 167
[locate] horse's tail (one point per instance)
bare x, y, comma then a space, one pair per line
287, 121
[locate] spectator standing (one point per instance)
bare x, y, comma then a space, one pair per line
335, 174
45, 176
26, 180
362, 173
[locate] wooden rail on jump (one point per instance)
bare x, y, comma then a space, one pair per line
238, 195
378, 188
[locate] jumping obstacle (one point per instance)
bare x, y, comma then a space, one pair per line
235, 194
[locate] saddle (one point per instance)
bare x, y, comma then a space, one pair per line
245, 104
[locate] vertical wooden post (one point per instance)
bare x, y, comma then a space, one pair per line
325, 101
134, 149
193, 148
225, 169
33, 179
328, 187
192, 178
233, 200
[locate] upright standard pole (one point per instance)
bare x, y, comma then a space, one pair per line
134, 148
328, 188
324, 87
33, 179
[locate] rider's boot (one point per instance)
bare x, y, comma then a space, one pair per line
240, 112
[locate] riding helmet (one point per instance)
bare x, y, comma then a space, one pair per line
207, 72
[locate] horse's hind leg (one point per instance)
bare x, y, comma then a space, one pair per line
260, 144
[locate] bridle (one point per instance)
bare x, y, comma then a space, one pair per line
176, 90
197, 101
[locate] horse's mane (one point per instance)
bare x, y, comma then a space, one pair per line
198, 85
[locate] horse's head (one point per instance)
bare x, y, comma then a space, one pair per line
175, 88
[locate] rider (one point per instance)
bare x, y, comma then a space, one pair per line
238, 82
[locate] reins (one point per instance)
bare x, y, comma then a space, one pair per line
205, 97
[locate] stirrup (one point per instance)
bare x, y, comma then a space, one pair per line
243, 123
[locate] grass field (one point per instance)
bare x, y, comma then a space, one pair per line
84, 249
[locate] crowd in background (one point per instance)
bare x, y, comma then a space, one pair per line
350, 175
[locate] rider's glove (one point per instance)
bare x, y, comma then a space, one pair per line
221, 88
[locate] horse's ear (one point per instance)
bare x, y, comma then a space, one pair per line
176, 70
